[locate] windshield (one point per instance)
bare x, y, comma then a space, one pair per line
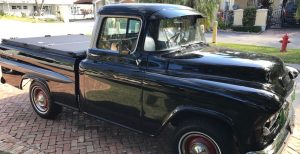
167, 34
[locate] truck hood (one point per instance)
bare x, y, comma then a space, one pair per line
225, 62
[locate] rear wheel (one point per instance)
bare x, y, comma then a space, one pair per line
41, 101
203, 137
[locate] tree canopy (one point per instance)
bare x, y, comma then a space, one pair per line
207, 7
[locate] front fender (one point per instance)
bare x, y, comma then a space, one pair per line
193, 111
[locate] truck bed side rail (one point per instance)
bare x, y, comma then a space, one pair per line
32, 70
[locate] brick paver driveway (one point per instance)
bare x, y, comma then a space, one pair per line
22, 131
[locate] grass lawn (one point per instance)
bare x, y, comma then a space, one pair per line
292, 56
2, 152
28, 19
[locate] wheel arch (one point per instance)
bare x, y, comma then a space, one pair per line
184, 113
33, 78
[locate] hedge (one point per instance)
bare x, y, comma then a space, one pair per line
249, 17
255, 29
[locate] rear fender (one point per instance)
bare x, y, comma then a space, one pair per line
38, 71
14, 72
32, 78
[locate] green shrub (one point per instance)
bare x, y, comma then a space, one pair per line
23, 15
221, 24
2, 13
255, 29
224, 23
248, 22
50, 20
249, 17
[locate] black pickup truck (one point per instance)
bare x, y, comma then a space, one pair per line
147, 66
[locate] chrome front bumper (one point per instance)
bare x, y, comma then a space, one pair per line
280, 141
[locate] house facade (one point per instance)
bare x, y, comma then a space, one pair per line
28, 7
242, 4
279, 14
226, 4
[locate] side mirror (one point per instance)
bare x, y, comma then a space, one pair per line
149, 44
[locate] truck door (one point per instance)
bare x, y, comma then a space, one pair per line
110, 77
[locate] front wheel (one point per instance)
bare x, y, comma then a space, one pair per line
203, 137
41, 101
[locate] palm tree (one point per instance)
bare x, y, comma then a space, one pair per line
207, 7
39, 7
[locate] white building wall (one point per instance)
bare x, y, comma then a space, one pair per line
66, 2
77, 11
20, 5
223, 4
17, 9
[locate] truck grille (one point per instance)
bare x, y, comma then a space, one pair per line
276, 122
285, 80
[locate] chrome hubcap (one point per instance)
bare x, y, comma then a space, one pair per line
199, 148
40, 100
197, 143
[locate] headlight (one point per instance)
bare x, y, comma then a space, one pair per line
267, 129
293, 73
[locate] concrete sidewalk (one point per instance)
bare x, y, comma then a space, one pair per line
10, 28
269, 38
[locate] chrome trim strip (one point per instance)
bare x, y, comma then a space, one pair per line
32, 70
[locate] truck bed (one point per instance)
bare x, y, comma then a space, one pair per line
68, 45
53, 59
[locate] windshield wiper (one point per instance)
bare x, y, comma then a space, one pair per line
192, 43
184, 47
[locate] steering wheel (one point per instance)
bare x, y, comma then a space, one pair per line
176, 39
180, 35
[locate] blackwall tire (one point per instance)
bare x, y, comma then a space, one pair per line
193, 137
41, 101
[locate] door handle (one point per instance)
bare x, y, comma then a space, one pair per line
94, 55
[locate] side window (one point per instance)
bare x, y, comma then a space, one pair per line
119, 34
134, 26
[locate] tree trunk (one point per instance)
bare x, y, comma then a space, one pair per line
39, 7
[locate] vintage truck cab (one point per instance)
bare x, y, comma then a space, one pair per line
148, 66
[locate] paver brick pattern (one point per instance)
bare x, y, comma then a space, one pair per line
23, 131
